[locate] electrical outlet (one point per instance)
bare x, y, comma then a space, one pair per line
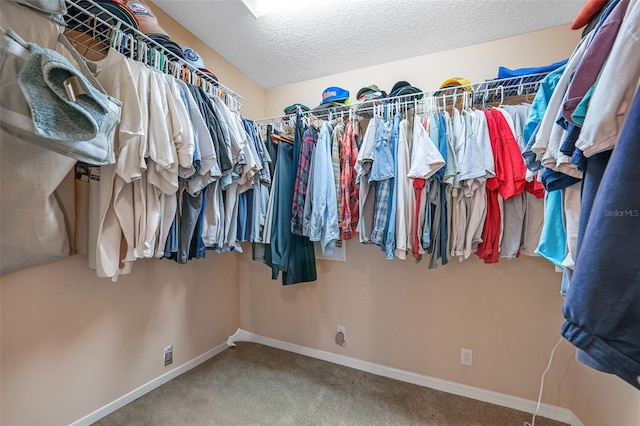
168, 355
340, 336
465, 356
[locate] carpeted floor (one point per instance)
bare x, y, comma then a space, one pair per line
259, 385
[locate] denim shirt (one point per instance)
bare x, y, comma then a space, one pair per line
381, 174
390, 239
324, 206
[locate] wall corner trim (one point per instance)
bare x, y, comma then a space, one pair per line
546, 410
148, 387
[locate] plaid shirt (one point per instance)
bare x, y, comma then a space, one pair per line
349, 209
381, 176
336, 155
302, 179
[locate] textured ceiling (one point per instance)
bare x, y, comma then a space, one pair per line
315, 38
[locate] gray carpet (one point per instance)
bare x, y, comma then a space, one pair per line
258, 385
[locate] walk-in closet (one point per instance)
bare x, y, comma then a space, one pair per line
283, 213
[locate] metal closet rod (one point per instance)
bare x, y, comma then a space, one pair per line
147, 40
517, 84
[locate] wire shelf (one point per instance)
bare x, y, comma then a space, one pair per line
487, 92
94, 27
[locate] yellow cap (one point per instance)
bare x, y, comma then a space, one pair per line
456, 81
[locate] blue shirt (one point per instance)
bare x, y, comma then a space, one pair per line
601, 308
390, 238
382, 172
324, 202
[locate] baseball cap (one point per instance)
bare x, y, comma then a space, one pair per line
209, 73
168, 44
294, 107
192, 57
334, 105
455, 82
147, 21
334, 94
403, 88
370, 92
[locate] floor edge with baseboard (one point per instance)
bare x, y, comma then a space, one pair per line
148, 387
546, 410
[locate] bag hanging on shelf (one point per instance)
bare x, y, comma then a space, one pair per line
48, 101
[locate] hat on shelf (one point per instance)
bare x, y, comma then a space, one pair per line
192, 57
370, 93
209, 73
293, 108
80, 17
333, 96
147, 20
403, 88
454, 82
168, 44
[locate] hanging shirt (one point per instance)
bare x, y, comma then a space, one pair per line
488, 249
477, 165
366, 191
426, 160
336, 148
389, 241
594, 58
324, 212
405, 205
601, 307
309, 141
350, 204
457, 211
614, 90
380, 177
116, 77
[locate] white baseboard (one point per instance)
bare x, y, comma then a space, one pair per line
148, 387
546, 410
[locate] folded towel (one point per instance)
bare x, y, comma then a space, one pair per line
55, 113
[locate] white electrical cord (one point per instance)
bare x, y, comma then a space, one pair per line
553, 351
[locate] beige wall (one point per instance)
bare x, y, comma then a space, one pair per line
476, 63
72, 343
603, 399
403, 315
226, 73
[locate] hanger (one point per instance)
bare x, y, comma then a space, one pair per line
131, 45
282, 137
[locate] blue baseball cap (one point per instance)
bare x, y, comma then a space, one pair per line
334, 94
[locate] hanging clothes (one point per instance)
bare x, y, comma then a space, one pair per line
366, 191
309, 141
349, 204
323, 223
601, 307
292, 254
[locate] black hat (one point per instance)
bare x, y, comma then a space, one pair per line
402, 88
168, 44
